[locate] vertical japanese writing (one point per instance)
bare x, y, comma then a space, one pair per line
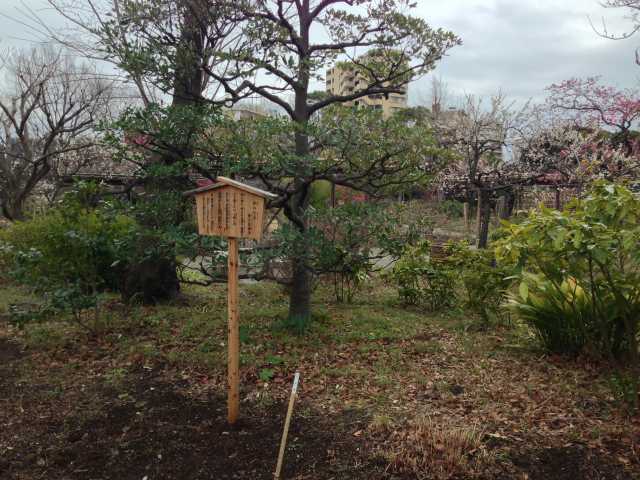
218, 225
227, 213
234, 211
243, 219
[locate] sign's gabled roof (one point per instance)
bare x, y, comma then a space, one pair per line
227, 182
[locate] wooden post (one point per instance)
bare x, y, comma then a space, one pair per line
478, 214
233, 395
465, 213
234, 210
333, 195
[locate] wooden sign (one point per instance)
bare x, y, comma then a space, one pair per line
233, 210
230, 209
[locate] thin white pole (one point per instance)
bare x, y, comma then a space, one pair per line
287, 421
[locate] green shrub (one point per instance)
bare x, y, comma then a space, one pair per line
563, 317
70, 255
360, 239
66, 246
452, 208
580, 274
90, 246
349, 243
20, 314
485, 282
422, 281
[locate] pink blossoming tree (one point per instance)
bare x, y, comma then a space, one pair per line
592, 104
606, 118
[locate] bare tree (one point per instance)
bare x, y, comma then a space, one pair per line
48, 112
478, 132
82, 35
439, 95
164, 48
633, 8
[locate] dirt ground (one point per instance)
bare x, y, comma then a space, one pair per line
153, 428
146, 398
158, 424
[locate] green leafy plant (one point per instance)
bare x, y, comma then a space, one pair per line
275, 360
452, 208
349, 243
22, 314
69, 244
70, 255
582, 266
563, 316
266, 374
360, 239
421, 280
484, 281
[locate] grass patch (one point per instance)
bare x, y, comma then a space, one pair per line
437, 447
428, 347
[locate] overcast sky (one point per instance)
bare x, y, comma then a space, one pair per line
522, 46
519, 46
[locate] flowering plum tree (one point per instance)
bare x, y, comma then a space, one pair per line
605, 118
584, 131
478, 133
591, 104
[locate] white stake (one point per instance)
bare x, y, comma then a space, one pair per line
287, 421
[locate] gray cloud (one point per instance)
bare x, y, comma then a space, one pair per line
519, 46
522, 46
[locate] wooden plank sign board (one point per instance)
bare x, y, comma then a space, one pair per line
233, 210
228, 211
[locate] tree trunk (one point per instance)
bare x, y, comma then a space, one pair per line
302, 277
296, 211
189, 76
301, 280
509, 200
484, 217
478, 214
13, 210
465, 214
300, 298
188, 87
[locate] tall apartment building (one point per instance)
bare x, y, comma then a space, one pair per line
344, 79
